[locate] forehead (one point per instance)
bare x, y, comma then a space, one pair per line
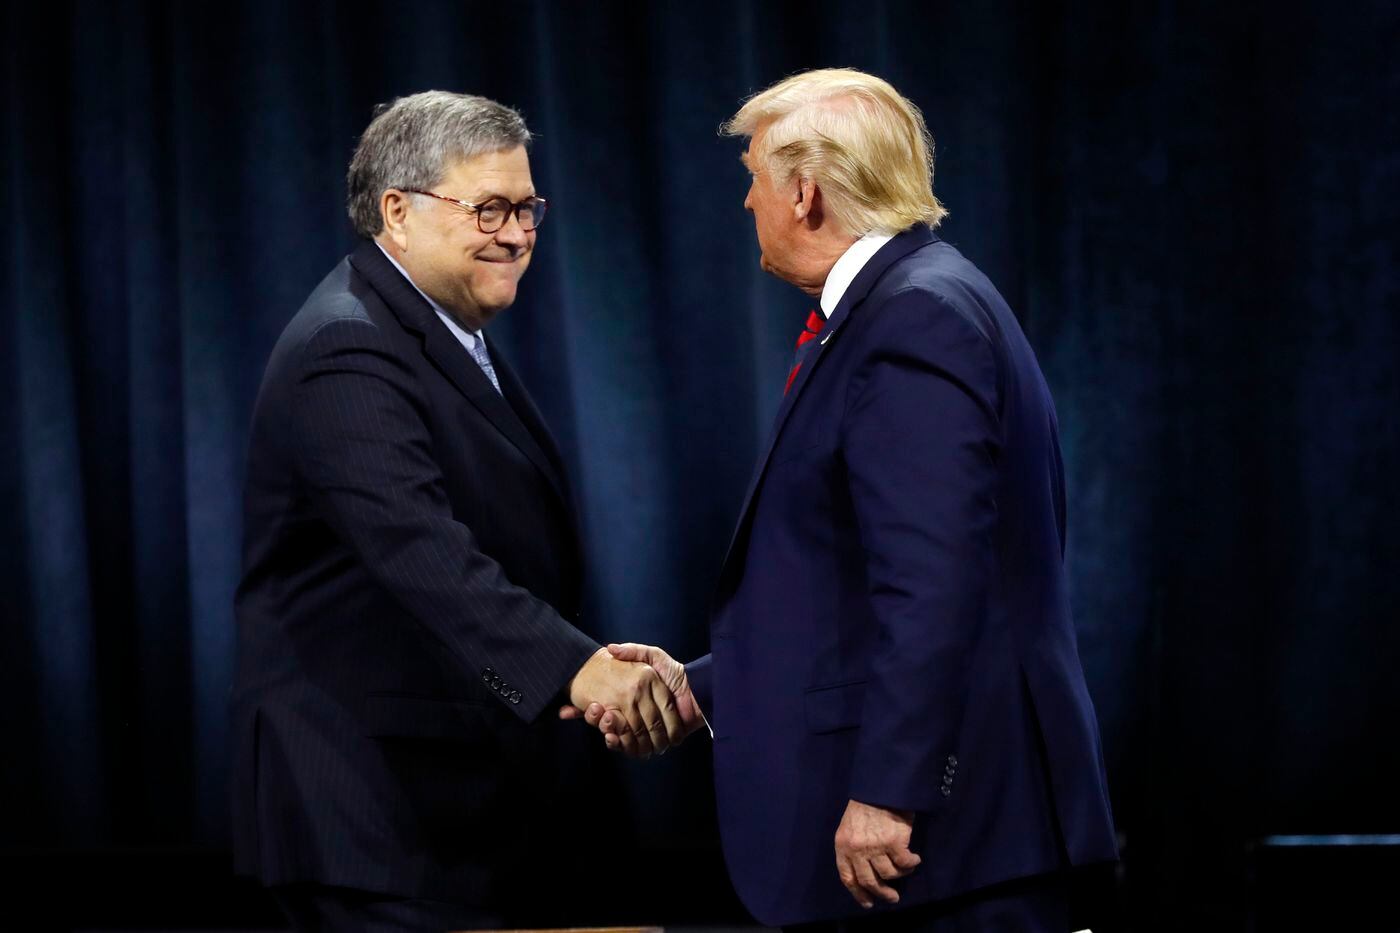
506, 172
750, 158
751, 155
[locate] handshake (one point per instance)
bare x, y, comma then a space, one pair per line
637, 696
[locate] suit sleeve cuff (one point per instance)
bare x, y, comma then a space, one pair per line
923, 783
546, 686
697, 674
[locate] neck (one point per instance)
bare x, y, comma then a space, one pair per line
387, 244
819, 253
472, 322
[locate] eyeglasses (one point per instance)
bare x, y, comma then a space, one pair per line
492, 215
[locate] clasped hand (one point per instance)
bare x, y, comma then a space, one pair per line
637, 696
872, 850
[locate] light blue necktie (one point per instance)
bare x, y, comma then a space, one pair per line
483, 359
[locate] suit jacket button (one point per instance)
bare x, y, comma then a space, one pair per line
487, 674
946, 790
515, 697
952, 761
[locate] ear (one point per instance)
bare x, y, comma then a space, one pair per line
393, 208
807, 204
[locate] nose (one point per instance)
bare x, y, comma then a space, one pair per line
512, 234
748, 199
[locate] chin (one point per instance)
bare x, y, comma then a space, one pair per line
495, 305
767, 265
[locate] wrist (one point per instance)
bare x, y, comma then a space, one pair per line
576, 689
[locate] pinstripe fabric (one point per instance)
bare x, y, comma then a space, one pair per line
388, 501
408, 613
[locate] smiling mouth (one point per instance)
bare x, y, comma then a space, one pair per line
499, 259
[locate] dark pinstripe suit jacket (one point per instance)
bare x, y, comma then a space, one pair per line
407, 614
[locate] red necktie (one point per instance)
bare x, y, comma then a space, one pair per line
815, 322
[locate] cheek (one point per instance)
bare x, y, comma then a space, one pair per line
498, 281
763, 228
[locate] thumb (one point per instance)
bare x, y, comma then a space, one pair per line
594, 713
631, 651
570, 712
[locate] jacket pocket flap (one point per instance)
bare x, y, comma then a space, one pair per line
833, 708
424, 717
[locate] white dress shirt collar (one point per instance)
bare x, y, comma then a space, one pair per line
848, 267
466, 338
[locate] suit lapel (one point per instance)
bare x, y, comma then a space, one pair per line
896, 249
451, 358
524, 408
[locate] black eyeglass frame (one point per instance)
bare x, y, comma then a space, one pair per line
540, 205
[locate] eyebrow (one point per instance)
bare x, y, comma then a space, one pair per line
492, 194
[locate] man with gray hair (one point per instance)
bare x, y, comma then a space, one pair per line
903, 736
409, 607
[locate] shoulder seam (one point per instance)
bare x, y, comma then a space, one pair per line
354, 318
946, 304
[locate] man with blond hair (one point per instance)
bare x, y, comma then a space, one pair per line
894, 671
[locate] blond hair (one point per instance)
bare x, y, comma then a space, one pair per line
864, 145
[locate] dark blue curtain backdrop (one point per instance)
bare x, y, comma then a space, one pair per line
1192, 207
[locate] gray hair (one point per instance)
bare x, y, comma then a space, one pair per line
412, 142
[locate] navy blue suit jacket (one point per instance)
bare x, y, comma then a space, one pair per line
407, 614
891, 623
